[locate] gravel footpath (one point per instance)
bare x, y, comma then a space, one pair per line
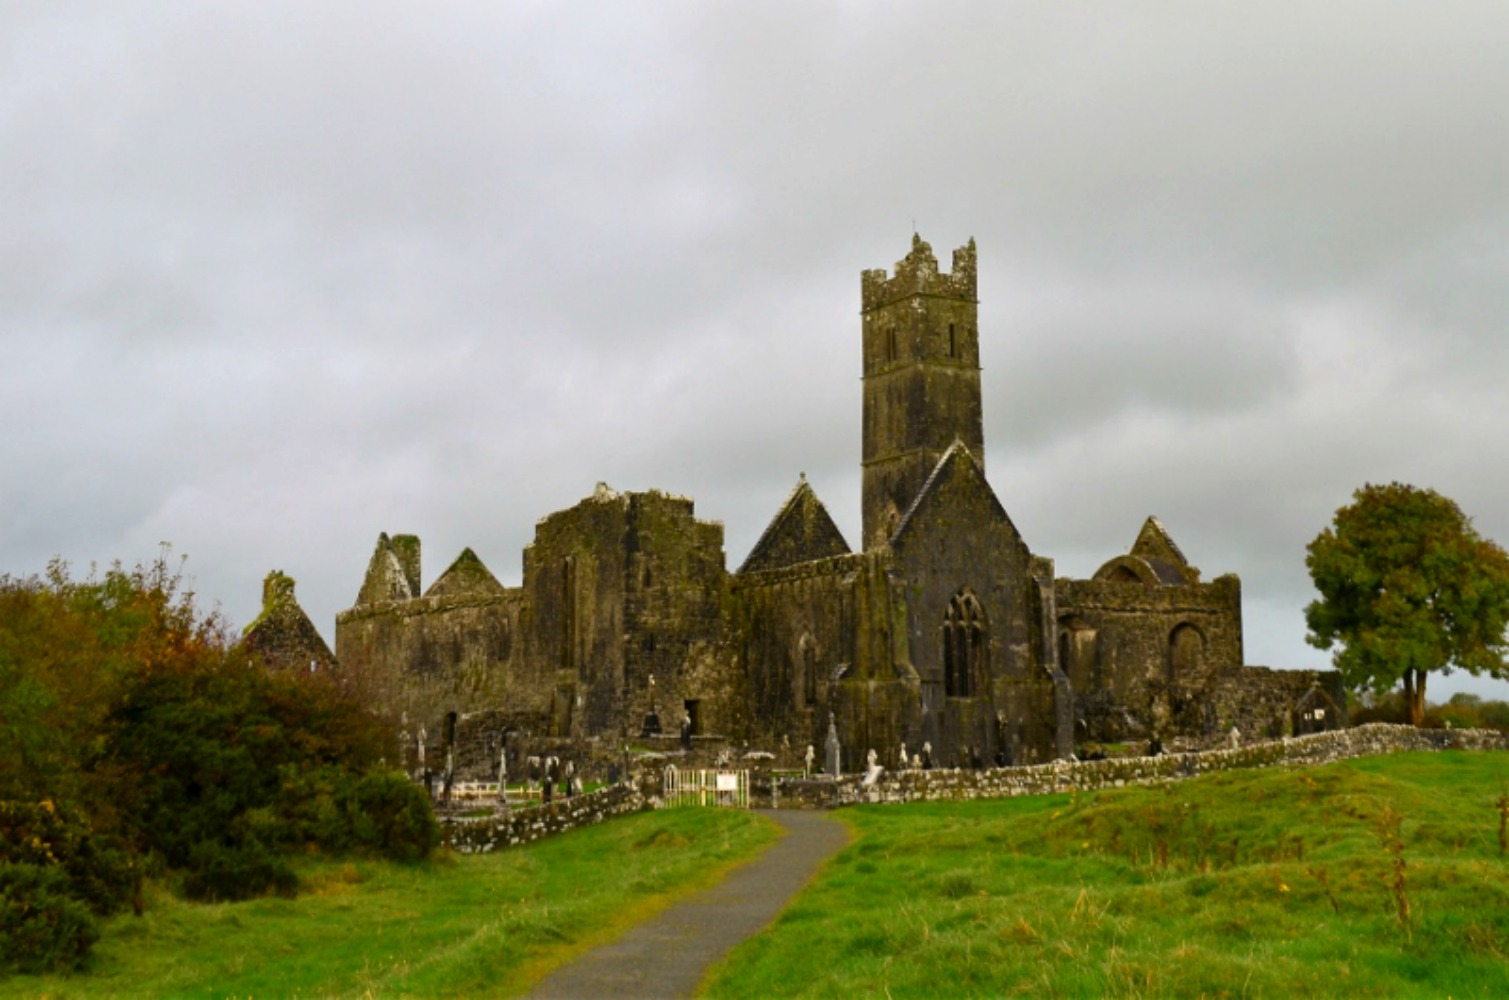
670, 954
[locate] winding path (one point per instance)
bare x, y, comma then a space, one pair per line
669, 955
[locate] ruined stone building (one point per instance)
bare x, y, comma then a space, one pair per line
944, 627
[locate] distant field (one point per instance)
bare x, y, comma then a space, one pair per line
467, 926
1374, 877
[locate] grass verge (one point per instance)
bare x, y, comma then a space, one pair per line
1375, 877
464, 925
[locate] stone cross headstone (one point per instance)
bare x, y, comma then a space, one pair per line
422, 735
904, 756
810, 758
686, 730
832, 752
927, 756
1236, 738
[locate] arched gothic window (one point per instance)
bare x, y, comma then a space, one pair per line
966, 640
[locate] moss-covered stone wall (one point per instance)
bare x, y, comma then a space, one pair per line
1145, 659
621, 588
806, 636
426, 657
971, 600
282, 636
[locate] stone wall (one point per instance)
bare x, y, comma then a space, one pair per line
1144, 659
1062, 776
282, 636
1261, 702
972, 610
428, 656
798, 641
621, 588
523, 826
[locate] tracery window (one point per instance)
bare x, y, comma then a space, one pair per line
966, 641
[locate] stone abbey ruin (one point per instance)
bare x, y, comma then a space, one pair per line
945, 628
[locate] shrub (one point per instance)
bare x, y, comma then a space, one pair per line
42, 928
394, 818
222, 872
56, 836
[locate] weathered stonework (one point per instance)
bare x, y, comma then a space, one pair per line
282, 636
450, 650
523, 826
1085, 776
944, 630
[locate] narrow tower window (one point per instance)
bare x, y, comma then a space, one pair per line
952, 345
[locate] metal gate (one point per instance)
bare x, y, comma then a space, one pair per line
707, 788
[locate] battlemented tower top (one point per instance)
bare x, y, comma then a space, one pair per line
917, 274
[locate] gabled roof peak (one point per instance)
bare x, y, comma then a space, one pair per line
1154, 542
801, 531
949, 457
465, 575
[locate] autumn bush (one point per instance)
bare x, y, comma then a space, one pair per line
139, 737
43, 926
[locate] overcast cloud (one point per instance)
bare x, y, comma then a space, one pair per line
275, 277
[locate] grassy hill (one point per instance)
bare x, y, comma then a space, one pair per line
1382, 876
466, 925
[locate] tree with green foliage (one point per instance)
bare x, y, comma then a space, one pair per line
1407, 588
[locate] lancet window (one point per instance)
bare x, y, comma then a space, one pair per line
966, 641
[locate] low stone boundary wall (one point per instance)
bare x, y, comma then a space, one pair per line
1062, 776
522, 826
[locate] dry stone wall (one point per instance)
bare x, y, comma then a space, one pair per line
1063, 776
523, 826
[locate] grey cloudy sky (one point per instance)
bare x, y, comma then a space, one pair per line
275, 277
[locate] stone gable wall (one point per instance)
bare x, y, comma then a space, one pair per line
958, 540
423, 658
282, 635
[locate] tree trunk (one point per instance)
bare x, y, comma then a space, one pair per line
1409, 695
1414, 690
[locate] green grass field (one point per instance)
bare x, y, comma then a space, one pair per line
1269, 883
1257, 884
479, 925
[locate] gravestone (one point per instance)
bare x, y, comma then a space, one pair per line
832, 752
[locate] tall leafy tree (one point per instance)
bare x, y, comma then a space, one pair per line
1407, 588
